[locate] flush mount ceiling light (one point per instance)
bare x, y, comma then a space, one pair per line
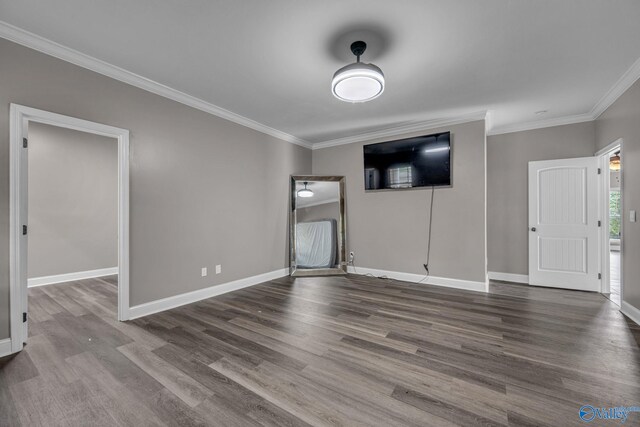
358, 82
305, 192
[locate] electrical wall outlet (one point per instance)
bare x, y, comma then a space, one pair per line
352, 255
218, 269
204, 271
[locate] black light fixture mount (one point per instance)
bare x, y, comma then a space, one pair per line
358, 48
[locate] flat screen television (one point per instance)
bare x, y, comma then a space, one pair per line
422, 161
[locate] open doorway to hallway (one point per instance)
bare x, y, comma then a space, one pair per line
615, 225
64, 247
612, 232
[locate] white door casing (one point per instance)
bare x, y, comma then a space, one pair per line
563, 224
24, 219
20, 116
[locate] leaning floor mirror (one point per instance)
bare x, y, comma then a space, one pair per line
318, 230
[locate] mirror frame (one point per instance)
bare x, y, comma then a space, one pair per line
342, 234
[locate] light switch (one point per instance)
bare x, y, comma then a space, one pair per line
218, 269
204, 271
632, 216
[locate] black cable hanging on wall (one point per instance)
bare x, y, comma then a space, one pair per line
426, 264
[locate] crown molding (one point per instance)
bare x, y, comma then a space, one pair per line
488, 122
51, 48
621, 86
404, 129
539, 124
616, 91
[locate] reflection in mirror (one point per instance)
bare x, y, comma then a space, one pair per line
317, 225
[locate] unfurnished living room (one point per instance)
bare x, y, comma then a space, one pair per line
313, 213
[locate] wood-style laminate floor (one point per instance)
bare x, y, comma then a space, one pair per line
323, 351
614, 277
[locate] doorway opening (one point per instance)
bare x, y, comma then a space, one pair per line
78, 227
612, 214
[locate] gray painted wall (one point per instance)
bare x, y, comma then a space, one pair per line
622, 120
387, 230
329, 210
203, 189
73, 201
508, 156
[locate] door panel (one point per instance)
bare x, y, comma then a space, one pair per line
567, 255
563, 223
563, 198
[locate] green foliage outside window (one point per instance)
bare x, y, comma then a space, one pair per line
614, 214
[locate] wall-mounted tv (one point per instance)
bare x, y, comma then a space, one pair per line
422, 161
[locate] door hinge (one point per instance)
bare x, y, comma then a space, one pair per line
24, 317
599, 276
25, 142
599, 223
599, 171
24, 230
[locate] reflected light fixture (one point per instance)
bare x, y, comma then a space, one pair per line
614, 162
436, 149
358, 82
305, 192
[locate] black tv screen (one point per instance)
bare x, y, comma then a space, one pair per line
422, 161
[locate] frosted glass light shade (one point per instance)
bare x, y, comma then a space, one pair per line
305, 193
358, 82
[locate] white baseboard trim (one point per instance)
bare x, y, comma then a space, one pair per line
415, 278
195, 296
68, 277
630, 311
5, 347
509, 277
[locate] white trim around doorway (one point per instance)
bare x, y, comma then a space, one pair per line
603, 156
20, 116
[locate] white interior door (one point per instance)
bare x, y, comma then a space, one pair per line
563, 224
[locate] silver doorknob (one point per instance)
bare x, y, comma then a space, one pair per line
533, 229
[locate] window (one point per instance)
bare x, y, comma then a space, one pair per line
400, 177
614, 214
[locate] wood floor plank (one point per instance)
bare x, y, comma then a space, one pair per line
119, 402
174, 411
8, 413
350, 350
226, 392
49, 361
310, 402
17, 368
36, 403
441, 409
67, 297
183, 386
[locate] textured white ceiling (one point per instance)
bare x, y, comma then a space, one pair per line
323, 192
272, 61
